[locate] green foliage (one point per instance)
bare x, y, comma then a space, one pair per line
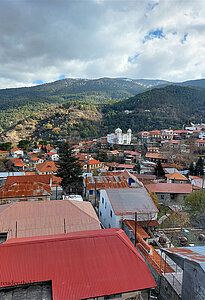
199, 169
24, 144
195, 203
159, 171
191, 169
5, 146
70, 169
137, 167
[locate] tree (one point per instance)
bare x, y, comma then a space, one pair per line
191, 169
137, 167
199, 169
195, 203
70, 169
154, 198
159, 171
5, 146
24, 144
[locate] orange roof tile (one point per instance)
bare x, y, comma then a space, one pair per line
46, 178
177, 176
47, 166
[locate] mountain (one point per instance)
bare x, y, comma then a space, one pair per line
158, 108
82, 108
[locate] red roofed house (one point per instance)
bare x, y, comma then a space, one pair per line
24, 192
170, 193
53, 156
96, 264
3, 154
200, 144
48, 167
16, 152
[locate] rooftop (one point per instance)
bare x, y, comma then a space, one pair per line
47, 166
37, 218
131, 200
175, 188
77, 263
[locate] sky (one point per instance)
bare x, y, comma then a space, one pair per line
46, 40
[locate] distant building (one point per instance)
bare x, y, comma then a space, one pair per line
16, 152
120, 138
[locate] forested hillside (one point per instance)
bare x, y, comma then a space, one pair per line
55, 114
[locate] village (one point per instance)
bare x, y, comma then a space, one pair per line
129, 231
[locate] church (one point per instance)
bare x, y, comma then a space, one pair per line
120, 138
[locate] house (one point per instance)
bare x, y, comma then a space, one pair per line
197, 181
53, 156
16, 152
154, 157
170, 193
34, 161
3, 154
47, 167
94, 184
120, 138
200, 144
191, 260
118, 204
176, 177
31, 191
38, 218
95, 264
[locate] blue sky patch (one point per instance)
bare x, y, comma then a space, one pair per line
184, 38
154, 34
38, 82
132, 59
61, 77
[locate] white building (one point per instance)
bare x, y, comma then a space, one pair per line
119, 204
120, 138
17, 152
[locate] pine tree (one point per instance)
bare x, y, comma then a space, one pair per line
137, 167
70, 169
191, 169
199, 169
159, 171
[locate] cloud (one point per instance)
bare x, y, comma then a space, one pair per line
46, 41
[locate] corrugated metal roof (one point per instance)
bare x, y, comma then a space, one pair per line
129, 201
195, 254
81, 265
175, 188
45, 178
29, 189
36, 218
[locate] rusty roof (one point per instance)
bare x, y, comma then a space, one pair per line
45, 178
21, 190
37, 218
106, 182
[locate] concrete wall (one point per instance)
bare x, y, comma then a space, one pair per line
193, 287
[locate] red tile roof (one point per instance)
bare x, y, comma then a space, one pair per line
156, 155
81, 265
93, 161
15, 149
34, 158
47, 166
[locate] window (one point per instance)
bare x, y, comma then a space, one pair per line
39, 199
111, 213
3, 237
91, 192
100, 214
162, 196
109, 226
102, 200
105, 205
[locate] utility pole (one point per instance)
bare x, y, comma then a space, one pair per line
135, 228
